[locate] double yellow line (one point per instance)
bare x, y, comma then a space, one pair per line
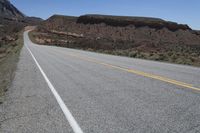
168, 80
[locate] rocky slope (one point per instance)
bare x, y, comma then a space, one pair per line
12, 20
8, 10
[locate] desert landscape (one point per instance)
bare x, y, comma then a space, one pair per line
73, 69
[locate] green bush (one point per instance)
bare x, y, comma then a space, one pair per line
133, 54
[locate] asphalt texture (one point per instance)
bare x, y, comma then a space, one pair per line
102, 99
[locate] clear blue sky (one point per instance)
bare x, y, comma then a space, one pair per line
181, 11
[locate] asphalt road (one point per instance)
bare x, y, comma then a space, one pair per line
104, 93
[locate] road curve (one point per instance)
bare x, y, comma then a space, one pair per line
104, 94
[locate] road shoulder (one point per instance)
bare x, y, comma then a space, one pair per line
29, 105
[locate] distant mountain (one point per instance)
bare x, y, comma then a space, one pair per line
9, 11
9, 14
12, 20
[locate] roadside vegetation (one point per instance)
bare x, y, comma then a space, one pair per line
9, 54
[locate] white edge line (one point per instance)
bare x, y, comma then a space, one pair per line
76, 128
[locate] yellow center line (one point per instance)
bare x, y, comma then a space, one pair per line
157, 77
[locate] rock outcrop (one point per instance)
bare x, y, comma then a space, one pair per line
123, 21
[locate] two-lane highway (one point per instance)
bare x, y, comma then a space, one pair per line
65, 90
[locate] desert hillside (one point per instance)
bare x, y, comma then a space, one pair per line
8, 10
141, 37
